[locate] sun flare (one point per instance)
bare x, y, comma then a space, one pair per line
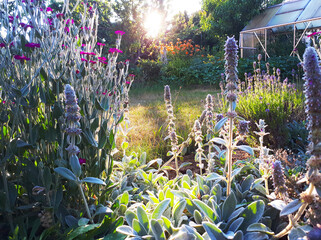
153, 23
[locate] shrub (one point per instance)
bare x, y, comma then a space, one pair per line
265, 96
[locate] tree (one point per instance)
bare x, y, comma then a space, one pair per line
228, 17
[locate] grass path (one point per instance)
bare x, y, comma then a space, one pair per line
148, 115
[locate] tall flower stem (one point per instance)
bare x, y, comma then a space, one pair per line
229, 155
5, 185
85, 201
231, 60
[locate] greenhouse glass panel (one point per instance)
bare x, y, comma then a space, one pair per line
312, 10
263, 19
293, 6
288, 17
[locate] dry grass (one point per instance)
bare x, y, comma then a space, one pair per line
148, 117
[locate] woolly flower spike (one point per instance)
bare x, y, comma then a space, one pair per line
209, 115
202, 117
198, 132
167, 93
278, 178
72, 115
243, 127
313, 103
231, 60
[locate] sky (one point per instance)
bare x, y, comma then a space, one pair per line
190, 6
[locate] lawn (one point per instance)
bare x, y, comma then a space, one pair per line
148, 116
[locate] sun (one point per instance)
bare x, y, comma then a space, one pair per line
153, 23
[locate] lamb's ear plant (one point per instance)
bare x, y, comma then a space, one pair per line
296, 208
176, 148
73, 132
265, 160
231, 60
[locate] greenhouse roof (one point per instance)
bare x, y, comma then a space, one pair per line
298, 12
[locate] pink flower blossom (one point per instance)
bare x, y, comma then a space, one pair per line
59, 15
21, 57
67, 29
84, 60
86, 28
49, 9
88, 53
101, 44
112, 50
93, 62
2, 45
83, 45
77, 71
102, 58
119, 32
70, 21
131, 75
313, 34
33, 45
25, 26
127, 82
82, 161
103, 62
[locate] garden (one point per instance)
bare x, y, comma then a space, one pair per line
115, 136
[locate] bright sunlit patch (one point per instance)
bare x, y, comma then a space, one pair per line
153, 23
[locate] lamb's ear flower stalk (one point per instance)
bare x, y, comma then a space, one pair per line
209, 126
313, 110
231, 60
265, 160
72, 119
198, 142
278, 179
171, 126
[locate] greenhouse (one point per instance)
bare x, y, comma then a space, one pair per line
291, 16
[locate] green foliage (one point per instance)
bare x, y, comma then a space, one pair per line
267, 97
34, 122
228, 17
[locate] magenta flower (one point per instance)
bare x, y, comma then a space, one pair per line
49, 9
59, 15
33, 45
25, 26
84, 60
112, 50
102, 58
67, 29
2, 45
70, 21
87, 53
21, 57
10, 19
101, 44
313, 34
131, 75
77, 71
93, 62
82, 161
119, 32
83, 45
103, 62
86, 28
127, 82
